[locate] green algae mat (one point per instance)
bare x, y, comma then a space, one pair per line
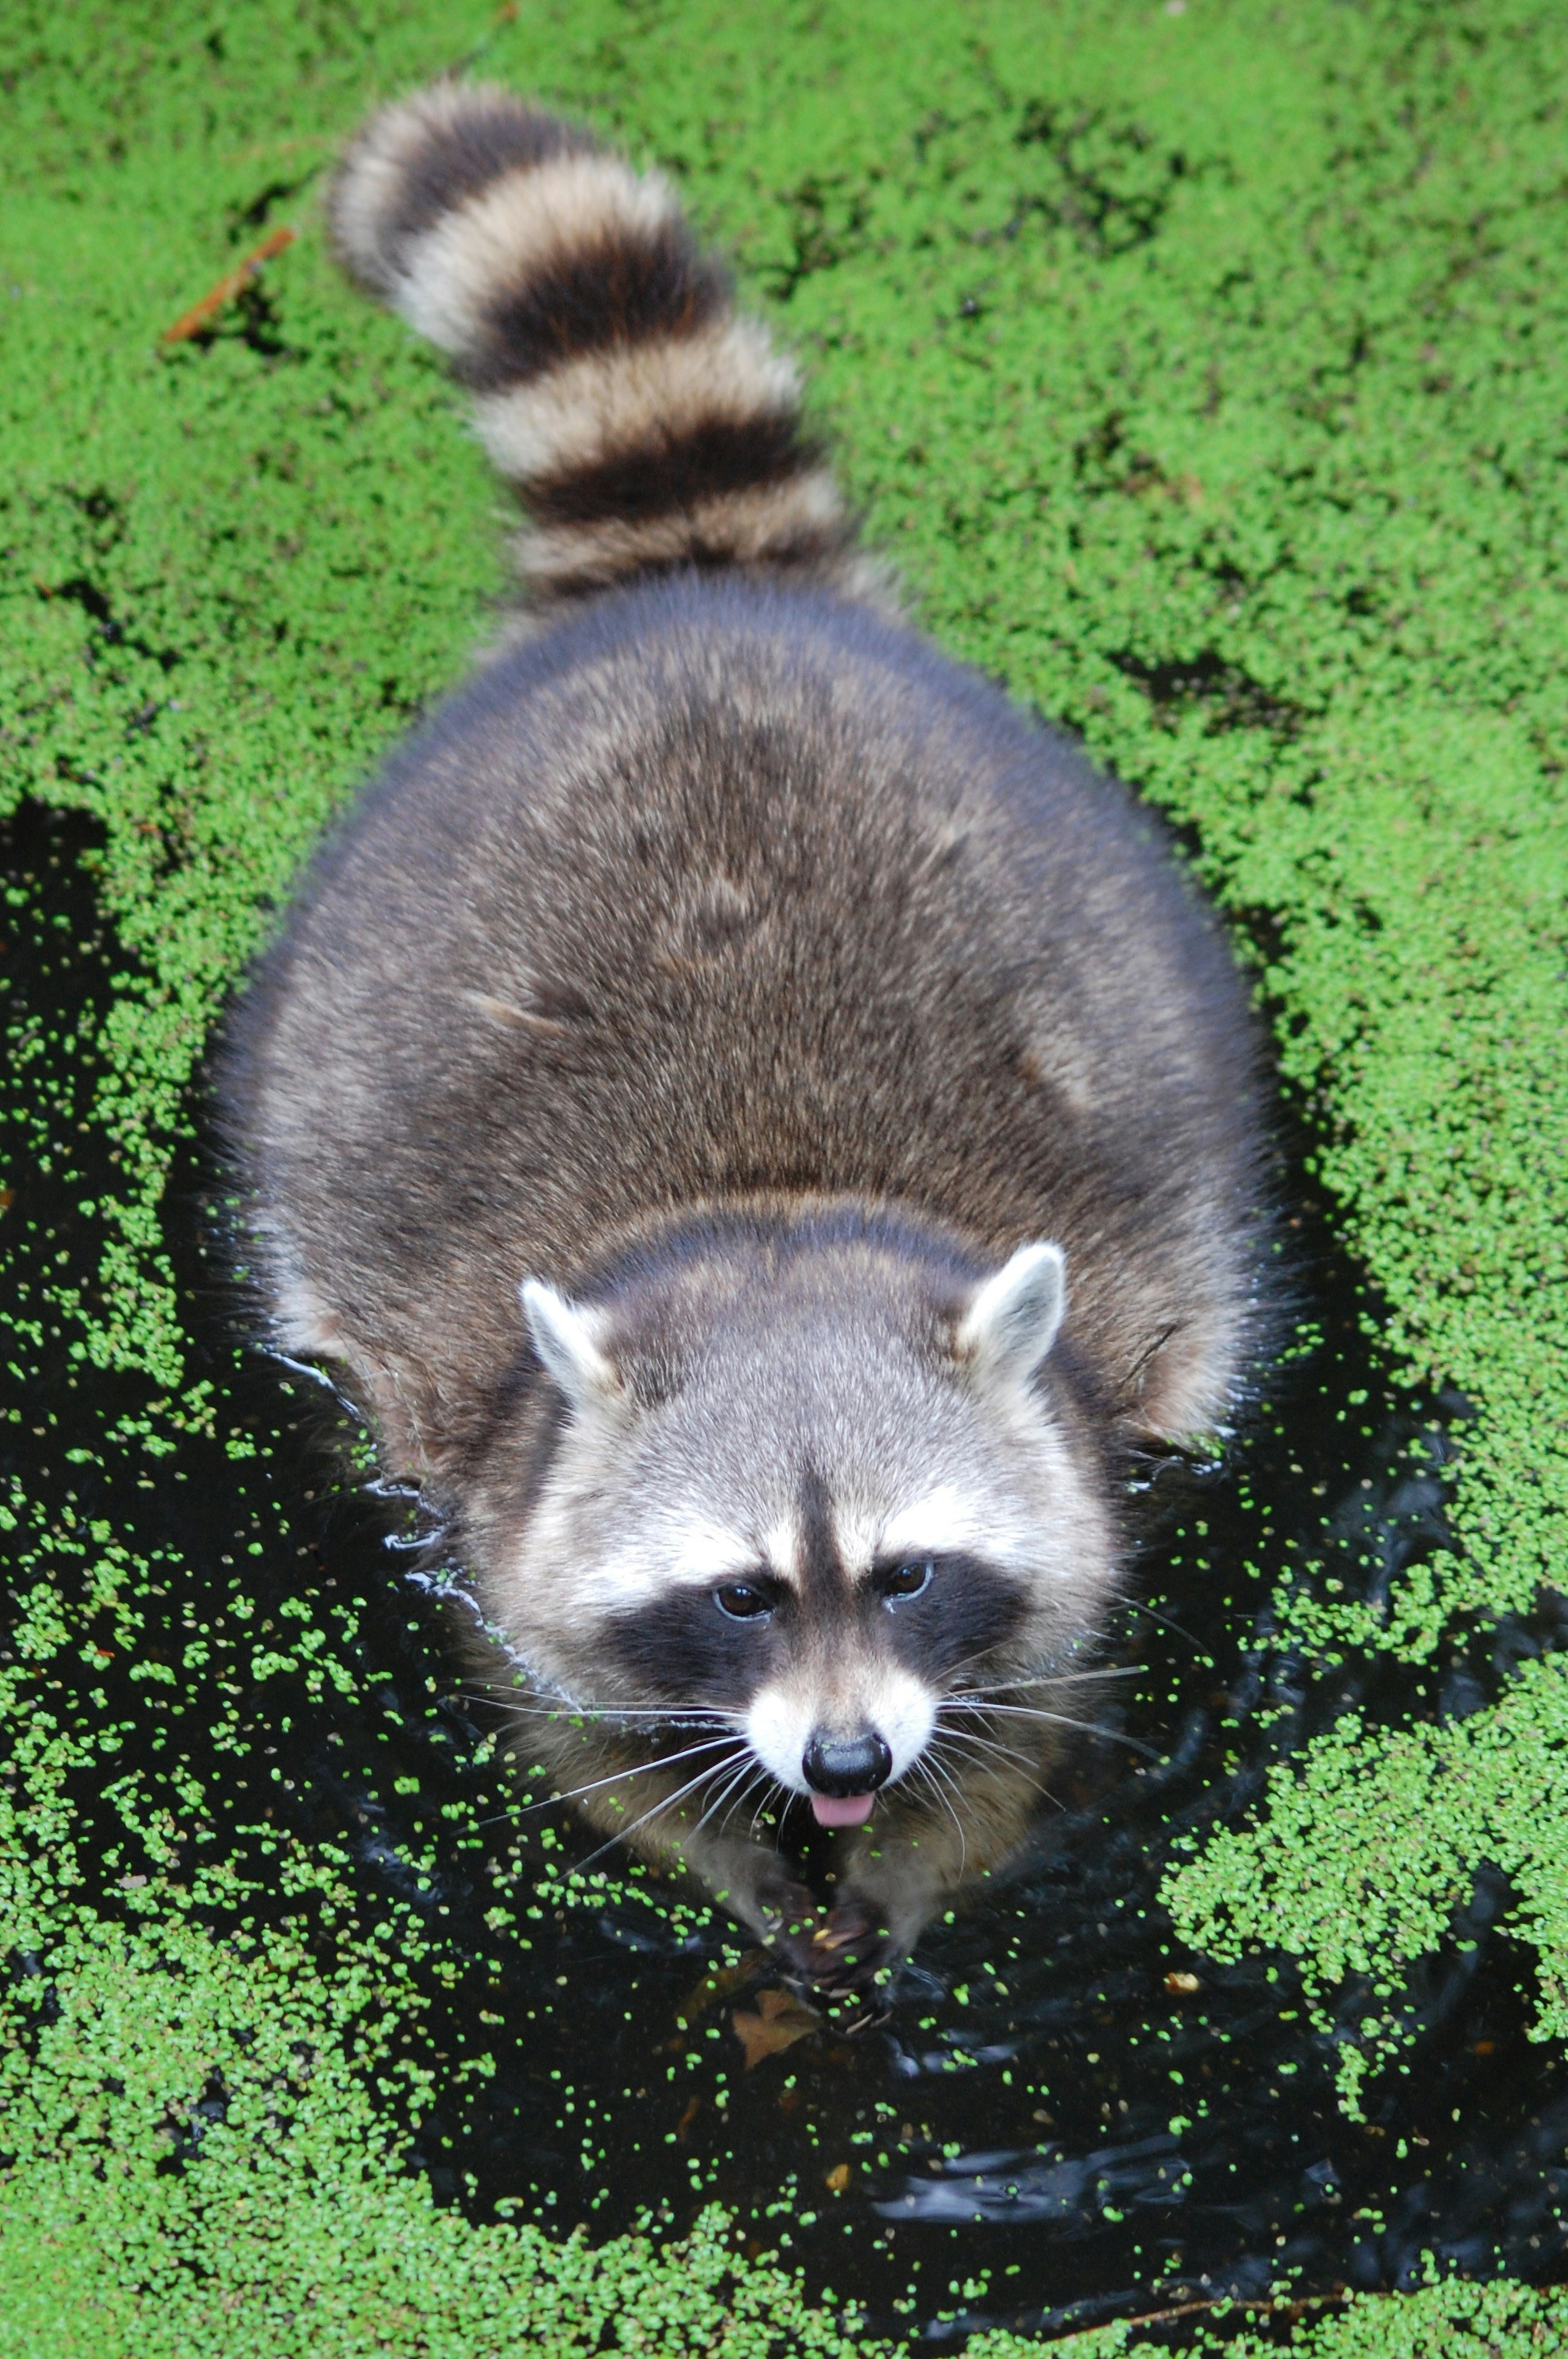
1204, 369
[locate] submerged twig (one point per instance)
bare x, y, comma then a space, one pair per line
1281, 2306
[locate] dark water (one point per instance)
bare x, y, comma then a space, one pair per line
1013, 2142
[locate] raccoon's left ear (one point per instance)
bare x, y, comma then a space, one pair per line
568, 1339
1013, 1319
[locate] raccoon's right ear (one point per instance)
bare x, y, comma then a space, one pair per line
568, 1342
1013, 1319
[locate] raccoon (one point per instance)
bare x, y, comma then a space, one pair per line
763, 1125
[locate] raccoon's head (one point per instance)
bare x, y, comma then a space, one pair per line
814, 1483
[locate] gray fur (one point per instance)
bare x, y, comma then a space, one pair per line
753, 983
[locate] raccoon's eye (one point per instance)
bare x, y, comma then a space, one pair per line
741, 1602
906, 1580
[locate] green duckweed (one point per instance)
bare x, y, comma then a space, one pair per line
1200, 366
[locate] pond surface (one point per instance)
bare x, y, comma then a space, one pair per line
1063, 2117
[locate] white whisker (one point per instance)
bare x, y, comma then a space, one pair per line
742, 1779
971, 1736
967, 1737
758, 1776
668, 1715
1141, 1605
637, 1769
1066, 1679
769, 1789
933, 1769
668, 1803
1060, 1719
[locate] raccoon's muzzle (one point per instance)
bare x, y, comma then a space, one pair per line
844, 1773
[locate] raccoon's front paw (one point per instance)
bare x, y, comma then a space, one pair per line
794, 1926
786, 1912
898, 1909
841, 1952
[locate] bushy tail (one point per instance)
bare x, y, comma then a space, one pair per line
644, 424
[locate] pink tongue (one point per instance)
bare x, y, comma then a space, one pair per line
842, 1810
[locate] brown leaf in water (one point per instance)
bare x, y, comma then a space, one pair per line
719, 1984
781, 2019
837, 2179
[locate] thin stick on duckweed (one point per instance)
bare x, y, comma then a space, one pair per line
234, 282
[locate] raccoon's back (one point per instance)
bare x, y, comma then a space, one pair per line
719, 892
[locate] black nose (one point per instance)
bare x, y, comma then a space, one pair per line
847, 1764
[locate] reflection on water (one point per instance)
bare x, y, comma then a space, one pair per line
1062, 2117
1029, 2183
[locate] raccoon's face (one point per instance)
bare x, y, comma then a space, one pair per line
814, 1495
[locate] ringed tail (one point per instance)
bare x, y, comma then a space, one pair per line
644, 424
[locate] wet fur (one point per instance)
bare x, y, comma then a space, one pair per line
727, 957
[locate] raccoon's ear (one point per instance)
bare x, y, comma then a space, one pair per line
1013, 1319
567, 1341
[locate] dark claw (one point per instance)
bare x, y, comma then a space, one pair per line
866, 2009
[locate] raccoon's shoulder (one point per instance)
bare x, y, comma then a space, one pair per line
649, 690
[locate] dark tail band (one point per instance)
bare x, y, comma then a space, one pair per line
645, 425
